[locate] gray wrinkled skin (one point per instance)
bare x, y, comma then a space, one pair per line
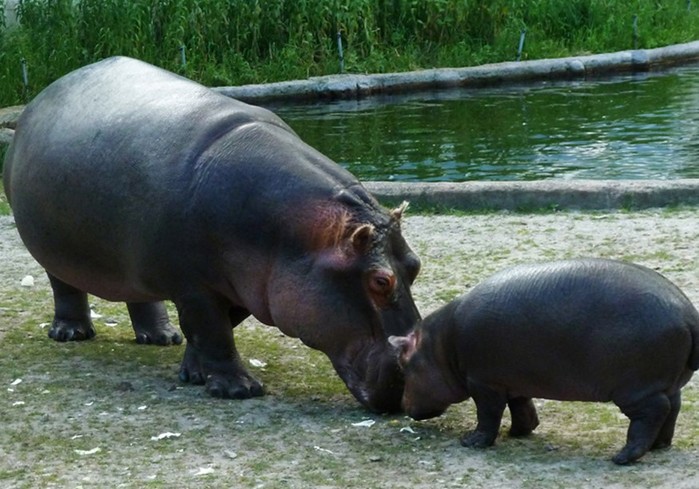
137, 185
577, 330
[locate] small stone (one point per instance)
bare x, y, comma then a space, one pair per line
375, 458
125, 387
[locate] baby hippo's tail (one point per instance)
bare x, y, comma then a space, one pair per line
693, 325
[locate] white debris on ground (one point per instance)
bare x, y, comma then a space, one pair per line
166, 435
367, 423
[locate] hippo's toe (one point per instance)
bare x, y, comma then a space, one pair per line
224, 380
240, 387
71, 330
164, 336
478, 439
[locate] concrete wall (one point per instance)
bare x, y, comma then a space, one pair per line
10, 15
571, 68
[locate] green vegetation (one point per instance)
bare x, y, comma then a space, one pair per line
250, 41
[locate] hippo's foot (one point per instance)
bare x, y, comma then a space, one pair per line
223, 379
478, 439
164, 335
151, 324
524, 417
71, 330
628, 455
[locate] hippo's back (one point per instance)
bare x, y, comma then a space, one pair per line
587, 320
120, 168
118, 117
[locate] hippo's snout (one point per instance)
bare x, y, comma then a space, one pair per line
420, 414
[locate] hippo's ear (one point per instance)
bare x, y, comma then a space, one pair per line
361, 238
397, 213
405, 345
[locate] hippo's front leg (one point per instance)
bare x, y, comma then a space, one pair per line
490, 405
211, 357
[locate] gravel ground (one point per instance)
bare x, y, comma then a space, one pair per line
283, 440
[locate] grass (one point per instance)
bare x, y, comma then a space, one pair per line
4, 205
242, 41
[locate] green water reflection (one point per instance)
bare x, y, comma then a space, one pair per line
633, 127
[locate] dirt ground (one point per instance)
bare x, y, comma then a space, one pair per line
109, 413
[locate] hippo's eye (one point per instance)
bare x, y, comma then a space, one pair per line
382, 282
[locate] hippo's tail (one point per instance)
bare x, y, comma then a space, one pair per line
693, 324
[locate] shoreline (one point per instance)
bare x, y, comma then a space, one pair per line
484, 195
540, 195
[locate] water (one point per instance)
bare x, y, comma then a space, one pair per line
631, 127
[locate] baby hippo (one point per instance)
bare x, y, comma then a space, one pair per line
577, 330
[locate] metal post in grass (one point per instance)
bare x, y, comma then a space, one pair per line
635, 31
340, 53
689, 5
25, 79
522, 35
25, 75
183, 56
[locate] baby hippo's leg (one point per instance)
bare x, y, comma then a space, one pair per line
648, 416
490, 405
664, 438
524, 417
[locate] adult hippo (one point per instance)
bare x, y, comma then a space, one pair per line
137, 185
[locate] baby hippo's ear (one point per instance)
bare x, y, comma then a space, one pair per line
405, 345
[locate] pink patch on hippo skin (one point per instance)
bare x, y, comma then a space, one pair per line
324, 224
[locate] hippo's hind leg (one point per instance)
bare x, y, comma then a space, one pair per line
648, 417
211, 357
664, 438
152, 325
524, 417
71, 321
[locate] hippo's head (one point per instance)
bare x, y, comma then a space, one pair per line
346, 294
428, 390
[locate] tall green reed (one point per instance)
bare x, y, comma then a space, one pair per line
245, 41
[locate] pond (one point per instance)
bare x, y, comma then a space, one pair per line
643, 126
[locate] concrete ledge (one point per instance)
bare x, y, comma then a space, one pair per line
8, 120
541, 194
578, 67
6, 135
478, 196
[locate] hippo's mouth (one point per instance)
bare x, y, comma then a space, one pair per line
374, 379
420, 415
